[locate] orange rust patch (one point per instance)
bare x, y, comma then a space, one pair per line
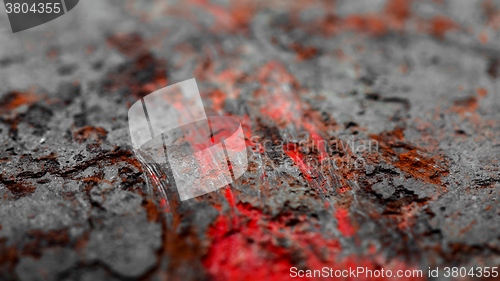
428, 169
40, 239
470, 104
389, 137
185, 246
89, 132
370, 23
304, 53
469, 227
492, 14
19, 188
15, 99
481, 92
483, 37
467, 105
152, 211
409, 159
235, 17
393, 18
82, 241
218, 98
95, 179
399, 12
440, 25
8, 255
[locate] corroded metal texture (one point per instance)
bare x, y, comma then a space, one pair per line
372, 130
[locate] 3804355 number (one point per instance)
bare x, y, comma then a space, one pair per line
471, 272
25, 8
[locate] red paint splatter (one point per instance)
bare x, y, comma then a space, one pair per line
164, 207
344, 222
317, 140
292, 150
218, 99
265, 248
229, 196
277, 94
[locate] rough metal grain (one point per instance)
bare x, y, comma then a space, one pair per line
418, 78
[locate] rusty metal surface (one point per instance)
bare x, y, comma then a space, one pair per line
404, 93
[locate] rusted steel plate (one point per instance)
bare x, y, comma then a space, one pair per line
371, 131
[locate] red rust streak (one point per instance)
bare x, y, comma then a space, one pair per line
344, 223
299, 158
244, 251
